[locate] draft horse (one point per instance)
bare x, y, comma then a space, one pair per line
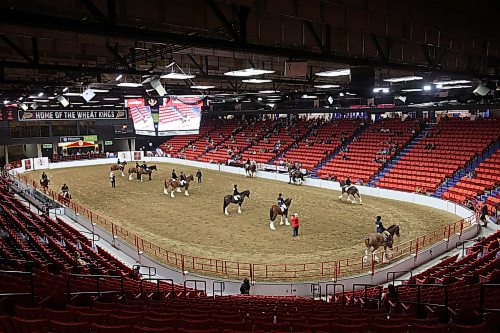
351, 191
175, 184
64, 197
44, 183
229, 199
296, 176
148, 171
120, 167
276, 210
374, 241
250, 170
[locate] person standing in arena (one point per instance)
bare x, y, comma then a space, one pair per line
112, 178
295, 225
198, 175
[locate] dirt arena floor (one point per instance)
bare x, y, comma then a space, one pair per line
196, 225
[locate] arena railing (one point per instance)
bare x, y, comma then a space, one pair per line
331, 269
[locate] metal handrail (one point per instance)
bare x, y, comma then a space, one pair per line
222, 287
396, 272
98, 286
334, 285
32, 285
151, 270
365, 293
203, 282
418, 303
482, 287
315, 287
158, 280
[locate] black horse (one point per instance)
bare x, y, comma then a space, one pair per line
296, 176
229, 199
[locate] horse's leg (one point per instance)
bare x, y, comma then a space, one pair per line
165, 190
360, 201
186, 191
225, 208
341, 195
286, 219
271, 225
178, 188
239, 208
130, 176
281, 219
172, 195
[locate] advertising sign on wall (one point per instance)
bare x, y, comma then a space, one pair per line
71, 115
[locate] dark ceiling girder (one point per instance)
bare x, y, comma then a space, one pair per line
242, 13
114, 51
16, 48
112, 10
96, 12
15, 17
427, 56
316, 37
34, 46
197, 64
381, 52
222, 19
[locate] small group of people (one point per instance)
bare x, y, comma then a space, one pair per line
182, 177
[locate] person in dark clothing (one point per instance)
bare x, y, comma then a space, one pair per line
137, 166
236, 194
182, 179
348, 181
198, 175
245, 287
113, 179
44, 176
379, 226
174, 175
484, 215
390, 298
65, 188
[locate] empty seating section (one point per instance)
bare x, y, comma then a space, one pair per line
487, 177
319, 143
449, 145
176, 143
493, 204
276, 139
365, 155
241, 137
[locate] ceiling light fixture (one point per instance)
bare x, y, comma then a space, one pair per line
248, 72
202, 87
456, 86
65, 89
427, 87
384, 90
111, 99
403, 79
451, 82
40, 94
177, 76
305, 96
23, 106
72, 94
327, 86
336, 72
411, 90
341, 94
268, 91
100, 90
119, 77
257, 81
129, 85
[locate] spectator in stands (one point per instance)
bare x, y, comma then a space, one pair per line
484, 215
245, 287
136, 272
112, 178
78, 262
198, 176
390, 297
295, 225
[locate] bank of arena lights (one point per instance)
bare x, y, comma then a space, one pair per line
458, 86
327, 86
384, 90
403, 79
450, 82
248, 72
305, 96
65, 89
129, 85
268, 91
257, 81
427, 87
334, 73
412, 90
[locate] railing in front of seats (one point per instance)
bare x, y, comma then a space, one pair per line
31, 292
263, 272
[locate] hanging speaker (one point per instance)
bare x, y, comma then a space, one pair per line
88, 94
156, 85
481, 90
61, 99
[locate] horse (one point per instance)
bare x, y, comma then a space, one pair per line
120, 167
176, 184
351, 191
64, 197
276, 210
44, 183
229, 199
375, 240
250, 170
296, 176
393, 230
148, 171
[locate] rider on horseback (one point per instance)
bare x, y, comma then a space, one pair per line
144, 166
236, 194
347, 183
281, 203
378, 223
182, 179
247, 162
65, 188
174, 175
44, 176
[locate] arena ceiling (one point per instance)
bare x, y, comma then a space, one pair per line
48, 46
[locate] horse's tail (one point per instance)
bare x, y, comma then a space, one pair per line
271, 214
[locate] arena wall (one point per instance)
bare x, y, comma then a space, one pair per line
379, 276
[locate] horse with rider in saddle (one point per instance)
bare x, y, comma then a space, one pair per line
141, 170
119, 166
176, 183
295, 175
235, 198
280, 209
382, 237
351, 191
64, 194
44, 182
250, 168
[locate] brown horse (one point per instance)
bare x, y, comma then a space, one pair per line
296, 176
120, 167
134, 170
351, 191
176, 184
250, 170
375, 240
64, 197
276, 210
44, 183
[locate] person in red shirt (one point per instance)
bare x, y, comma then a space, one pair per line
295, 225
